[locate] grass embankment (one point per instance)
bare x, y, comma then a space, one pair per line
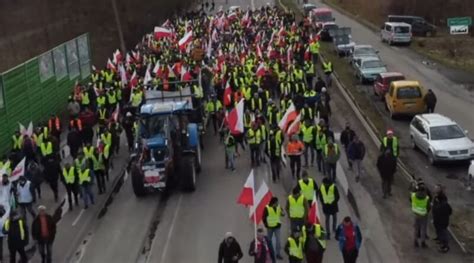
453, 51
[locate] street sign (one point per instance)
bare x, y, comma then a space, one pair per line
459, 30
460, 21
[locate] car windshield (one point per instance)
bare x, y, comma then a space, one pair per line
323, 17
408, 93
372, 64
153, 125
402, 29
446, 132
342, 40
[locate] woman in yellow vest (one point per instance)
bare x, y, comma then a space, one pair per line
294, 246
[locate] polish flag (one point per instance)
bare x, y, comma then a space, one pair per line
134, 79
313, 214
156, 69
259, 52
18, 171
235, 118
260, 70
115, 114
111, 65
307, 54
128, 59
167, 23
185, 74
147, 78
117, 57
294, 126
227, 94
123, 75
289, 116
187, 38
161, 32
136, 56
262, 199
246, 196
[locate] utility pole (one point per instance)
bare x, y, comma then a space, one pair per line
119, 27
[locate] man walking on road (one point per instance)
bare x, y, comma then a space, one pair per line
390, 142
69, 180
314, 243
347, 135
430, 101
441, 213
261, 249
420, 206
85, 182
356, 153
331, 155
296, 207
43, 231
294, 150
254, 138
18, 236
273, 151
294, 246
229, 250
272, 221
329, 196
349, 236
308, 187
387, 166
230, 152
25, 197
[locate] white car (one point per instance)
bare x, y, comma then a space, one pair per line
440, 138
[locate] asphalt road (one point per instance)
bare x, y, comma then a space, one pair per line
454, 101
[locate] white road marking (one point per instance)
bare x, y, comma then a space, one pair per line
78, 217
170, 232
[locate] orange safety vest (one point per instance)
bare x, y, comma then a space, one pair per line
76, 123
56, 123
294, 147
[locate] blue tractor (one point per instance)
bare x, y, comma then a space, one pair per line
167, 147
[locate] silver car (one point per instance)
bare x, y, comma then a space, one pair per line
440, 138
360, 51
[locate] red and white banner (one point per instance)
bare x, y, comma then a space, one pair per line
187, 38
262, 199
18, 171
161, 32
294, 126
227, 94
313, 214
111, 65
117, 57
246, 196
289, 116
235, 119
260, 70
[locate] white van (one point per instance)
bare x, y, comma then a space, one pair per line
396, 32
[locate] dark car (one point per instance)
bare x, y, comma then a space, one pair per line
325, 31
419, 26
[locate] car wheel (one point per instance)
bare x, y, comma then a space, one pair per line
412, 143
431, 158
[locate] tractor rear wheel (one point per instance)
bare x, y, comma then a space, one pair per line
137, 181
188, 173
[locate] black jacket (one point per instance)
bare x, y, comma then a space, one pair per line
14, 233
226, 253
36, 229
430, 99
333, 207
346, 137
441, 213
387, 166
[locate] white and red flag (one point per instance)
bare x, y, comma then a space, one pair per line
289, 116
117, 57
161, 32
260, 70
313, 214
235, 118
246, 196
111, 65
227, 94
185, 40
134, 79
294, 126
18, 171
262, 199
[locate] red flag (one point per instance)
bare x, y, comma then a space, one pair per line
18, 171
313, 214
235, 119
227, 94
134, 79
117, 57
246, 196
111, 65
289, 116
161, 32
262, 198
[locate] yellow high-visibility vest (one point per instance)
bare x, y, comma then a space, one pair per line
296, 206
20, 223
327, 194
295, 250
419, 206
307, 189
69, 177
46, 148
274, 216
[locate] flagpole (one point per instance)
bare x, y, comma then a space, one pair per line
254, 215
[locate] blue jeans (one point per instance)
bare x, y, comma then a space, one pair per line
276, 231
230, 159
87, 194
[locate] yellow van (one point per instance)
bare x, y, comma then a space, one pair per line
405, 97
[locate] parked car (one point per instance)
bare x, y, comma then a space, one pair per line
326, 29
360, 51
343, 44
440, 138
308, 7
367, 68
383, 80
321, 15
405, 97
419, 26
396, 33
